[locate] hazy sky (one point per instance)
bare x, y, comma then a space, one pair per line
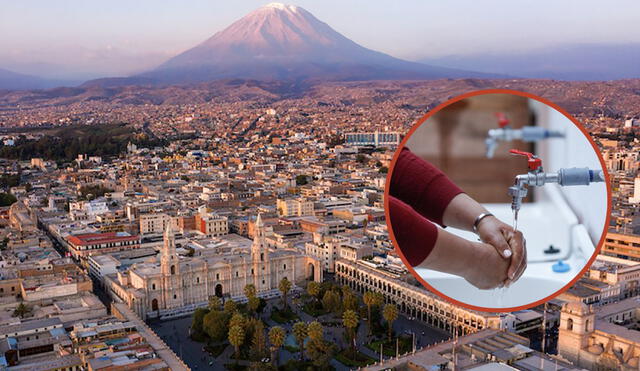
83, 39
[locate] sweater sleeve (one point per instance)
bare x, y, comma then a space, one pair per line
422, 186
415, 235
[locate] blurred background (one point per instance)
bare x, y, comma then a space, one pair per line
453, 139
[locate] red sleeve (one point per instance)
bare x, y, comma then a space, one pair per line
415, 235
422, 186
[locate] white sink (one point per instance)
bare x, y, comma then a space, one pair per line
543, 223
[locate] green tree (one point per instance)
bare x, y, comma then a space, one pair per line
21, 310
313, 289
258, 340
215, 324
237, 319
230, 306
7, 199
315, 331
197, 320
276, 338
214, 303
370, 299
350, 322
350, 302
390, 314
302, 180
284, 287
253, 304
331, 301
236, 338
249, 290
300, 333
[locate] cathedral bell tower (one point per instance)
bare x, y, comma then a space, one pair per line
260, 267
170, 270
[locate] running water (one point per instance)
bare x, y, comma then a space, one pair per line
515, 220
499, 295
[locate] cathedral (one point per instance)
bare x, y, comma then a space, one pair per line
178, 285
606, 339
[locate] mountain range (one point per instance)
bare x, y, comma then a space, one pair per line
576, 62
286, 42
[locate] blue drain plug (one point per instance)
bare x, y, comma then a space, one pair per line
560, 267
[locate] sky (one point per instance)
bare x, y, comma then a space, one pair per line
86, 39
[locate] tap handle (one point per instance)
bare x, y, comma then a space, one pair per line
533, 161
502, 119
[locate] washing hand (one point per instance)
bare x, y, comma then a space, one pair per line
508, 243
489, 270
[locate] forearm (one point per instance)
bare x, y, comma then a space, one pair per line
476, 262
462, 212
415, 235
422, 186
452, 254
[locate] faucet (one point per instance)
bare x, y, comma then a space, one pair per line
537, 177
506, 133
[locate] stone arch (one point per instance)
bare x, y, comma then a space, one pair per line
218, 290
311, 271
154, 304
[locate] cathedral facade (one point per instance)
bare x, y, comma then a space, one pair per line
181, 284
601, 338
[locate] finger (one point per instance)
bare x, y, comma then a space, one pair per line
518, 253
523, 265
499, 242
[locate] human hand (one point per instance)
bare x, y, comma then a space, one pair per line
508, 243
489, 269
519, 245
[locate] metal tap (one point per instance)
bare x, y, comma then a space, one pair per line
536, 177
506, 133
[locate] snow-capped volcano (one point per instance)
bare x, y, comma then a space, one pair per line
285, 41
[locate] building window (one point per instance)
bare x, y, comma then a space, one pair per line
284, 266
175, 296
237, 275
173, 269
197, 279
217, 276
153, 286
570, 324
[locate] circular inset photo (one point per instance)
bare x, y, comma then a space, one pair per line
497, 200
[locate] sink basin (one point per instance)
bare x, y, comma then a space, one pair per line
544, 223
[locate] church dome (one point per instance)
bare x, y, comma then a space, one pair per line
577, 307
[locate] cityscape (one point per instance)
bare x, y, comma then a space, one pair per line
239, 223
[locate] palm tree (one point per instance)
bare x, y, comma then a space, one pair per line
276, 338
300, 333
250, 291
253, 304
350, 321
214, 302
315, 331
230, 306
370, 299
236, 338
284, 287
237, 320
313, 289
390, 314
